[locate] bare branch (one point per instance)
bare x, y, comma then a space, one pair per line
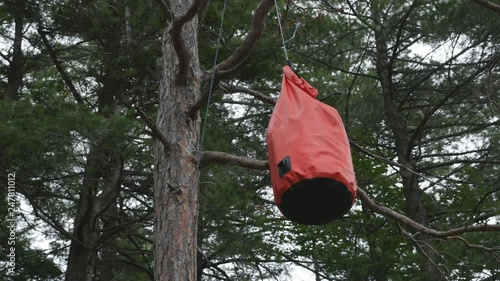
393, 163
178, 40
219, 157
5, 57
419, 246
491, 251
488, 4
57, 63
154, 128
443, 101
232, 89
419, 227
243, 52
238, 89
435, 165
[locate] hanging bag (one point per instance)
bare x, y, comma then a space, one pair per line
309, 156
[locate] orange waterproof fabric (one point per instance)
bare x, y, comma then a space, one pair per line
311, 133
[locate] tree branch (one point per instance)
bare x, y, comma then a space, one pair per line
178, 40
491, 251
165, 9
442, 102
419, 227
488, 4
59, 67
238, 89
228, 159
419, 246
458, 161
231, 89
154, 128
242, 53
218, 157
393, 163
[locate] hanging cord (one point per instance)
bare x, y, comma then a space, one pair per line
210, 91
297, 26
281, 32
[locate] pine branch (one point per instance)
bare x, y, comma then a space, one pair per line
59, 67
243, 52
442, 102
154, 128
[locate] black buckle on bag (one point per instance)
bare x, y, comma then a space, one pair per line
284, 166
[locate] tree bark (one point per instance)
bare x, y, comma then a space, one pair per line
416, 210
175, 173
15, 72
81, 258
102, 176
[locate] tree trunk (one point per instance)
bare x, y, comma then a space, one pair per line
15, 72
175, 174
413, 193
102, 175
379, 265
81, 258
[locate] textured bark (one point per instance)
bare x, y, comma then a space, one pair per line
109, 257
175, 175
81, 258
102, 173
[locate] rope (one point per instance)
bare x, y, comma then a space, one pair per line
281, 32
210, 91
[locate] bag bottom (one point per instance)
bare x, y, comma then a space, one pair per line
316, 201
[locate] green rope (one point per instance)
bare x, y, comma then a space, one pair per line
210, 92
281, 32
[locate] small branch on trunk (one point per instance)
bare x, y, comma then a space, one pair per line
243, 52
154, 128
488, 4
218, 157
178, 40
58, 65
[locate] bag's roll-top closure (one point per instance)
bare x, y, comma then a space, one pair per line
299, 82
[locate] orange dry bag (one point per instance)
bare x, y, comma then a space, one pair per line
309, 156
